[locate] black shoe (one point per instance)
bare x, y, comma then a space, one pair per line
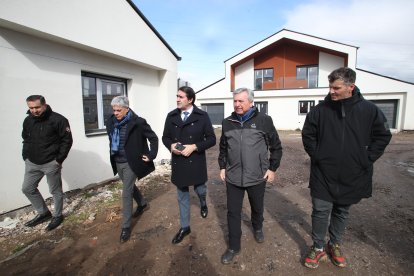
39, 219
204, 211
55, 222
181, 234
228, 256
140, 210
125, 234
258, 236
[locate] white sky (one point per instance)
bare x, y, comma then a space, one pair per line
206, 33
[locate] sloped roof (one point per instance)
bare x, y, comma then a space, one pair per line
280, 34
153, 28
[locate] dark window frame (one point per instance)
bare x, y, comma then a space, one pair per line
307, 75
263, 78
94, 106
307, 106
265, 104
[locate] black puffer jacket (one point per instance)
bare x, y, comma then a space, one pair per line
344, 138
245, 148
46, 138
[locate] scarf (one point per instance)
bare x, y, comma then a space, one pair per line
245, 116
115, 132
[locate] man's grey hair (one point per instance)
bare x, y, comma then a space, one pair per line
250, 93
120, 101
346, 74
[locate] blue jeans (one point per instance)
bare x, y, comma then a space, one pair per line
183, 196
327, 215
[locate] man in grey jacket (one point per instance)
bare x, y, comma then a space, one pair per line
247, 138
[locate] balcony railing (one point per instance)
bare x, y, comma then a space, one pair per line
287, 83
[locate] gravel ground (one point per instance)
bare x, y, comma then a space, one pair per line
378, 240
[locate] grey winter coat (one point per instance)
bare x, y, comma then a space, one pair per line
249, 149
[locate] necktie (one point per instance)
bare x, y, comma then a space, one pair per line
185, 115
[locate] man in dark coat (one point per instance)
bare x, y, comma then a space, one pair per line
47, 140
188, 133
343, 135
250, 153
130, 155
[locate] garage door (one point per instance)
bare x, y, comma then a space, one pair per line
389, 108
215, 112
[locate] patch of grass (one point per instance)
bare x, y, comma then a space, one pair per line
115, 186
76, 218
88, 194
19, 248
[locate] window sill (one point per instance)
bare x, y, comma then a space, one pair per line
96, 133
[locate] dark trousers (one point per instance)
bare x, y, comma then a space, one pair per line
327, 215
235, 196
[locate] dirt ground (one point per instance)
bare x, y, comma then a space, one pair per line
379, 239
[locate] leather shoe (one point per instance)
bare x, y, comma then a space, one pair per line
39, 219
258, 236
55, 222
228, 256
181, 234
140, 210
125, 234
204, 211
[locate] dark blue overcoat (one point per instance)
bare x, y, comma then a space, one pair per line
197, 129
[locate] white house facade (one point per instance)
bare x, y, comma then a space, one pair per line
79, 55
288, 73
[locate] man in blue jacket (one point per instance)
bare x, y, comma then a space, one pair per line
47, 140
250, 153
130, 156
344, 135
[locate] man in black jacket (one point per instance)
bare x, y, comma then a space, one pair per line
343, 135
47, 140
130, 156
250, 153
188, 133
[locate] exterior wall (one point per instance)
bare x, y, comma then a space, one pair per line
115, 30
376, 87
284, 59
328, 63
244, 75
34, 65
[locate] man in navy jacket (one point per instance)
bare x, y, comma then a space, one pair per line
344, 135
188, 133
130, 155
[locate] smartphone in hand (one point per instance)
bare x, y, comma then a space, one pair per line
179, 147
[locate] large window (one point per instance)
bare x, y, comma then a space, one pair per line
308, 73
97, 94
261, 76
305, 106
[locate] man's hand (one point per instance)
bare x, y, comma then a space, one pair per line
145, 158
223, 174
269, 176
188, 150
174, 150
